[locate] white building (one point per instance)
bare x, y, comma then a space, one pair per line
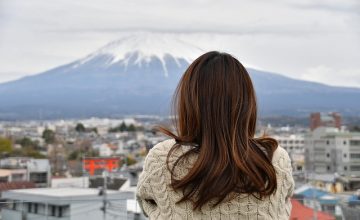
330, 150
65, 204
294, 145
107, 150
38, 171
72, 182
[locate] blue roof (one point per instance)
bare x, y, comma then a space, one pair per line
319, 196
328, 201
311, 193
354, 200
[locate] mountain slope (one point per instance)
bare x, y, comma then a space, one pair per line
138, 74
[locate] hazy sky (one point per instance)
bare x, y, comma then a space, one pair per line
317, 40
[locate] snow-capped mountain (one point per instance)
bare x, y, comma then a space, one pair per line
141, 49
138, 74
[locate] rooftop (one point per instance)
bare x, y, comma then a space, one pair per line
63, 195
299, 211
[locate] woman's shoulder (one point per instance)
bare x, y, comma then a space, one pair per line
162, 148
160, 151
281, 159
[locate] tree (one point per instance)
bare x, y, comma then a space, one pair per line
130, 160
355, 128
5, 145
122, 127
49, 136
80, 128
131, 128
26, 142
74, 155
95, 130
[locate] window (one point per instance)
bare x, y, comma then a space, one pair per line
38, 177
355, 155
53, 210
29, 207
345, 168
17, 177
36, 208
60, 213
345, 155
355, 168
355, 143
344, 142
3, 179
328, 168
327, 142
62, 210
327, 155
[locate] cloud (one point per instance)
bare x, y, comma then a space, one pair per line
338, 6
336, 77
286, 36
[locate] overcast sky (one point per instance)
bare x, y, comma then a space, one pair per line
317, 40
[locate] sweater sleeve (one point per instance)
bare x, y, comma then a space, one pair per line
289, 184
282, 163
151, 180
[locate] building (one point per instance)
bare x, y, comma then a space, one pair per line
65, 204
13, 175
107, 150
318, 200
294, 145
37, 171
330, 150
70, 182
320, 119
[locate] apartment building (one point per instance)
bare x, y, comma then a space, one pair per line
331, 150
294, 145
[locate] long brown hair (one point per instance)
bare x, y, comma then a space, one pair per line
215, 113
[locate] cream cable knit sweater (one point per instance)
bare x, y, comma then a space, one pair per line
154, 183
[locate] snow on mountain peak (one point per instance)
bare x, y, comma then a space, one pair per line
147, 46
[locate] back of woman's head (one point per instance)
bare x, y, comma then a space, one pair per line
216, 111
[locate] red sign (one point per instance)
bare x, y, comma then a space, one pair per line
93, 164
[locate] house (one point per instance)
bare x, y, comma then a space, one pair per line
65, 204
12, 175
319, 200
34, 170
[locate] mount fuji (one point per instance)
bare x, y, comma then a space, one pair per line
138, 75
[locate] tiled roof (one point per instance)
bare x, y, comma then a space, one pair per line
301, 212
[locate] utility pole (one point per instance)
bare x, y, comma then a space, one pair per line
83, 169
314, 202
104, 193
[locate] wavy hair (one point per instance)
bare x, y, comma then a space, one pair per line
215, 113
